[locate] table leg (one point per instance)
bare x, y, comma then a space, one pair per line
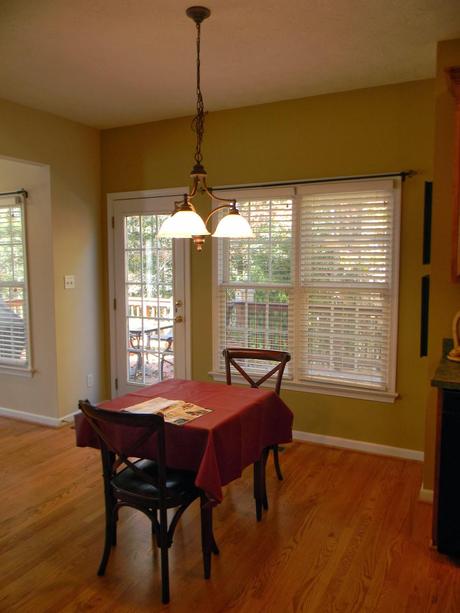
258, 486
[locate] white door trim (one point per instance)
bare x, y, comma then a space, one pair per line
111, 206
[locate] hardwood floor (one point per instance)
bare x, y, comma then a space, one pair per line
344, 532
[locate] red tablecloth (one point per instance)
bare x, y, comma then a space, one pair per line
218, 445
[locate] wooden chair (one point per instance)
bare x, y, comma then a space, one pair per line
232, 355
146, 485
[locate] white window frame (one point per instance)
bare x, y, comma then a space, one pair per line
331, 388
11, 367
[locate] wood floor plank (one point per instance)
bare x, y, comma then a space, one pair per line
344, 532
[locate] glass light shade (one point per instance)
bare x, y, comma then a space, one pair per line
233, 226
183, 224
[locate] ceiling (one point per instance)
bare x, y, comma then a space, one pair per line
109, 63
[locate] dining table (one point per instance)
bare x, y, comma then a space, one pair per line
218, 445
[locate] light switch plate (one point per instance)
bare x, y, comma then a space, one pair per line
69, 282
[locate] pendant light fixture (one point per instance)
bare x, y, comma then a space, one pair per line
185, 221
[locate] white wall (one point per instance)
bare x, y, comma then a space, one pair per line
36, 394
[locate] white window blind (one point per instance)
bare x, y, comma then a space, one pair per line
320, 280
14, 319
346, 255
256, 278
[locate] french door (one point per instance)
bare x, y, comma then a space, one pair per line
149, 281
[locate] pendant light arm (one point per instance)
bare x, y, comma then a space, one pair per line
184, 205
199, 185
231, 204
206, 189
194, 188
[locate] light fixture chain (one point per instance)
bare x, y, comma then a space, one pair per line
198, 120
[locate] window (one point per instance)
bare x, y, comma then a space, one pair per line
319, 280
14, 318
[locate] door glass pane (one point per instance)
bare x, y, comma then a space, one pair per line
149, 301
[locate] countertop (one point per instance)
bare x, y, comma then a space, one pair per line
447, 374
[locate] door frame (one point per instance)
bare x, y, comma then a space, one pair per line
112, 200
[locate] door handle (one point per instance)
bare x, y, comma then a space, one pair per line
178, 319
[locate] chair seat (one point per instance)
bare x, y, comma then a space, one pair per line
178, 482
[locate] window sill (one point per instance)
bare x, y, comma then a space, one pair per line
328, 389
16, 371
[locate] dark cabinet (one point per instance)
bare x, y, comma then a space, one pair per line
446, 518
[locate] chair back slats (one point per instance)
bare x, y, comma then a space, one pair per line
242, 372
148, 424
233, 354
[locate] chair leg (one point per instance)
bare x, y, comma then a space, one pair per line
110, 539
155, 529
277, 462
111, 509
207, 538
164, 556
114, 526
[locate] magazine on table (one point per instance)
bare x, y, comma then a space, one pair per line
176, 412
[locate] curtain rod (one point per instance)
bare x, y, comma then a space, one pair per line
403, 174
16, 193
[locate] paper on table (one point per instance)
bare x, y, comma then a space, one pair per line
175, 412
182, 412
151, 406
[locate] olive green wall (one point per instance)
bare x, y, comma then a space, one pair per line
374, 130
445, 295
63, 238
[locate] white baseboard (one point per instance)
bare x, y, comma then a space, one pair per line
321, 439
425, 495
347, 443
43, 420
68, 419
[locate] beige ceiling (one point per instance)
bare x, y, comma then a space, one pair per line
116, 62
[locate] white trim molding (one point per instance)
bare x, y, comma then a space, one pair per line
347, 443
33, 418
16, 372
113, 200
312, 387
426, 495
